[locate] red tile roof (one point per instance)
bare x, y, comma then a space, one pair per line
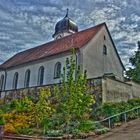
76, 40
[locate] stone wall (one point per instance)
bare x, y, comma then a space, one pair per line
95, 86
103, 90
7, 96
117, 91
135, 89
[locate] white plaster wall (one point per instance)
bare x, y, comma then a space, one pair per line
2, 73
48, 64
135, 89
115, 91
95, 62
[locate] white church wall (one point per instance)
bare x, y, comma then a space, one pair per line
2, 73
95, 62
48, 64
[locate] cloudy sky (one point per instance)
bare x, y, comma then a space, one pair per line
27, 23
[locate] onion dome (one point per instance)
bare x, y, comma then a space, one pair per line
66, 25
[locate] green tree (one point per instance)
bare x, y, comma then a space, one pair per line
74, 98
134, 72
43, 108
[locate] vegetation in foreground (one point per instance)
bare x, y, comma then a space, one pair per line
59, 110
45, 119
109, 109
65, 110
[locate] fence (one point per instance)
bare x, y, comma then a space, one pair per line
123, 115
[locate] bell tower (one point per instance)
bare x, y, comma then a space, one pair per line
65, 27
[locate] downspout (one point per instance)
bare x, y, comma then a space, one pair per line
77, 61
77, 58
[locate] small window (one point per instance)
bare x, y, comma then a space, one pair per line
57, 70
104, 50
40, 76
1, 82
104, 37
15, 80
27, 78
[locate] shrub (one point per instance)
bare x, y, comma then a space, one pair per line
86, 126
5, 107
16, 121
2, 121
28, 131
134, 102
54, 133
101, 130
110, 109
9, 128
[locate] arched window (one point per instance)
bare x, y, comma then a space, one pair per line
27, 78
15, 80
104, 50
104, 37
57, 70
1, 82
40, 76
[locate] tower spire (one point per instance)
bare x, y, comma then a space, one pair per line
65, 27
67, 12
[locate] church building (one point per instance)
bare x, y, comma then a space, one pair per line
95, 52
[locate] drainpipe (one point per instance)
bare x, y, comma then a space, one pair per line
77, 58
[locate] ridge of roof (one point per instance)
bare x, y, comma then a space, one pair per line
76, 40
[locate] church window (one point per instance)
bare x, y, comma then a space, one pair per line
104, 50
1, 82
40, 76
104, 37
15, 80
27, 78
57, 70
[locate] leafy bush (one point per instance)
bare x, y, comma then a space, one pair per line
16, 120
134, 102
86, 126
110, 109
101, 130
76, 133
2, 121
5, 107
9, 128
27, 131
54, 133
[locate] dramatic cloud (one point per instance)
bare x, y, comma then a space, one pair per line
28, 23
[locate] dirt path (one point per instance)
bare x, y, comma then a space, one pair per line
129, 131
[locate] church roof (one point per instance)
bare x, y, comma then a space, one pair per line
64, 44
